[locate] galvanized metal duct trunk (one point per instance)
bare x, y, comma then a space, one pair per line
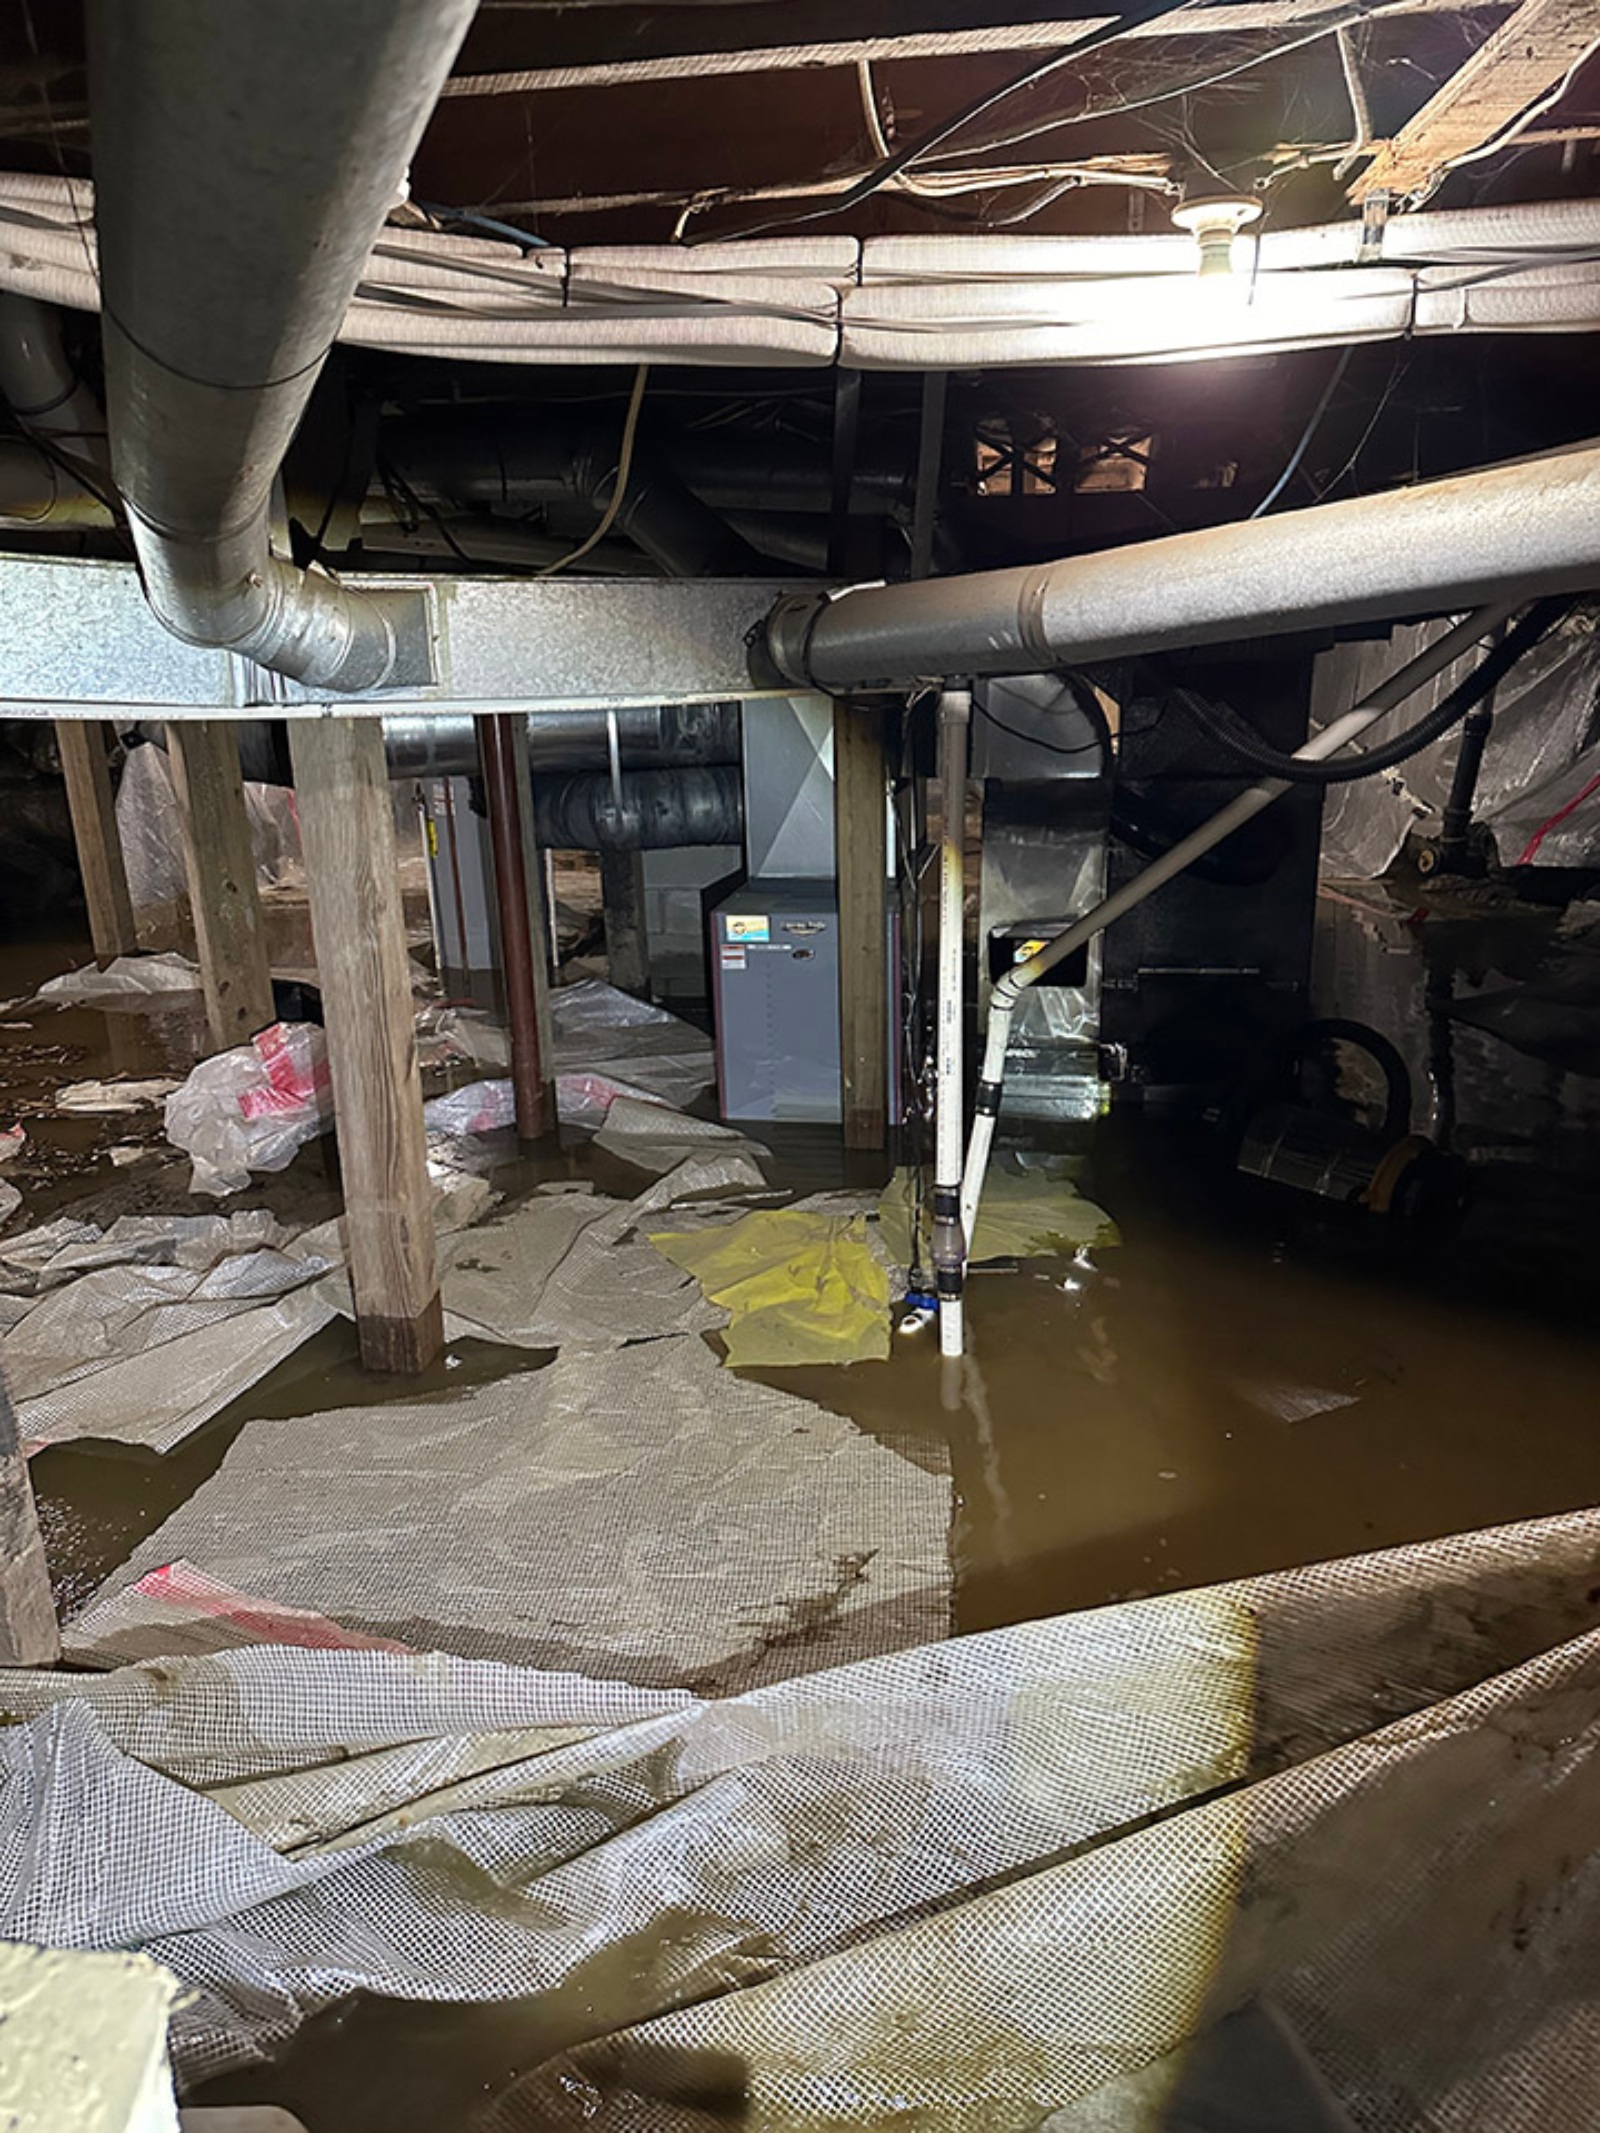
1529, 527
246, 159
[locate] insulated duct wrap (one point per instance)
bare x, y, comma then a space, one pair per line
1505, 533
897, 303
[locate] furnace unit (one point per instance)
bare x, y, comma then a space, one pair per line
775, 972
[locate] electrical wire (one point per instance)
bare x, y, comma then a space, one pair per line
619, 486
1306, 435
473, 220
1189, 87
1398, 371
889, 167
1254, 755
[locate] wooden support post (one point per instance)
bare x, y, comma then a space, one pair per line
501, 739
221, 867
860, 810
28, 1634
627, 934
347, 835
82, 745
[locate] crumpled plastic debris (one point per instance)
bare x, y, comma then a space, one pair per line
800, 1287
12, 1142
252, 1108
131, 980
107, 1098
641, 1050
59, 1251
10, 1201
657, 1138
1033, 1212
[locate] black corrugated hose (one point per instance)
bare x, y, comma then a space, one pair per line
1246, 750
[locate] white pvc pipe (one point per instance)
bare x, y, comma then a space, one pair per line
949, 1239
1008, 991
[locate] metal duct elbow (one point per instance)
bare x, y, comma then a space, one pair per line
245, 161
1509, 532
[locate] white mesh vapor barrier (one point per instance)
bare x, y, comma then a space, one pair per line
1003, 1882
910, 302
641, 1513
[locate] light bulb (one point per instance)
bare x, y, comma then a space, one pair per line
1214, 220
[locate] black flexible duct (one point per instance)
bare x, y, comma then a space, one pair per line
1250, 753
660, 810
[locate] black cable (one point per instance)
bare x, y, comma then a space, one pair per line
1251, 753
874, 180
1306, 435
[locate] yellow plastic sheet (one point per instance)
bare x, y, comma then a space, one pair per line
802, 1288
1024, 1214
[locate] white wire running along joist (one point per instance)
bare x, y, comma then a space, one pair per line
939, 302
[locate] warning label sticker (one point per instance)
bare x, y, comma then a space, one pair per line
747, 926
733, 956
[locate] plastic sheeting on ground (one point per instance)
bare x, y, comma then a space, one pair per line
139, 981
609, 1048
604, 1032
106, 1098
140, 1332
799, 1287
997, 1883
639, 1514
1030, 1209
656, 1138
566, 1270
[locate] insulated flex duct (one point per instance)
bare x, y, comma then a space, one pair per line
1506, 533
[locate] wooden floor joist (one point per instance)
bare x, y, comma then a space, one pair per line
347, 836
229, 935
1531, 53
841, 34
87, 770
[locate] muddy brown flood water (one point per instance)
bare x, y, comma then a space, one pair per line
1124, 1427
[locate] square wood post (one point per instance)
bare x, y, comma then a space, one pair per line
347, 834
82, 746
860, 805
221, 866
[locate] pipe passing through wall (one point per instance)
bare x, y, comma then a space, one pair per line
949, 1237
1008, 991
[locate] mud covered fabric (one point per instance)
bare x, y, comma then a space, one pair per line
1035, 1878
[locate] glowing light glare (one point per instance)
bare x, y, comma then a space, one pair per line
1215, 220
